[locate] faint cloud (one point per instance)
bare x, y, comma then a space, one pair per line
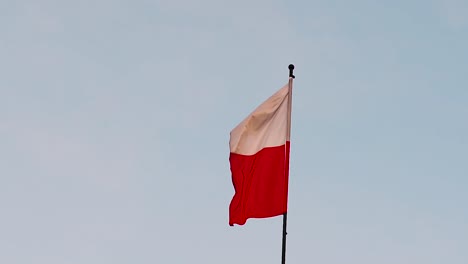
454, 13
55, 152
35, 17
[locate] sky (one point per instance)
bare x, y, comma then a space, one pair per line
115, 120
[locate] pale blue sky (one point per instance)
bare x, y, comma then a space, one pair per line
115, 120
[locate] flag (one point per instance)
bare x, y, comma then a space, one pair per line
259, 160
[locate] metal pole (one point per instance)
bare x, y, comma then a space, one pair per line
285, 215
283, 255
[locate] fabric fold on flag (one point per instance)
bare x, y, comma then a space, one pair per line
259, 160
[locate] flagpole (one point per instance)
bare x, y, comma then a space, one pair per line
288, 138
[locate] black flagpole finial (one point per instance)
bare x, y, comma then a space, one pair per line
291, 69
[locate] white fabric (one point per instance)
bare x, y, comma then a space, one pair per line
265, 127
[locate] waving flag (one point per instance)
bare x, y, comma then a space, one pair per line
259, 159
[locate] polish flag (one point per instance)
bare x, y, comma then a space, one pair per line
259, 159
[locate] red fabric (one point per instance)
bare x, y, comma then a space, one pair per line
261, 184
